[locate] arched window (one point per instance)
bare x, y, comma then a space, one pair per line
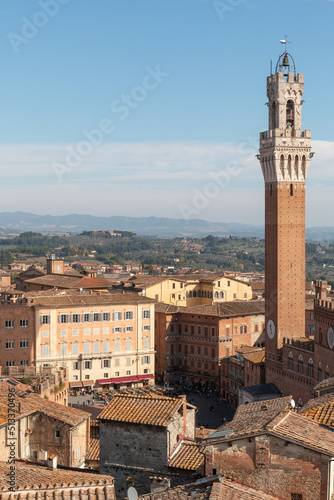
221, 295
216, 295
194, 293
289, 166
199, 293
190, 294
310, 368
290, 361
320, 336
300, 365
282, 171
290, 114
319, 372
296, 166
304, 167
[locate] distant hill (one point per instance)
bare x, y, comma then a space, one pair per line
146, 226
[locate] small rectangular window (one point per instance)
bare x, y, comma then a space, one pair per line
106, 316
45, 319
128, 329
146, 328
128, 315
24, 344
10, 344
128, 345
63, 318
23, 323
117, 329
105, 330
75, 348
86, 318
45, 333
57, 433
45, 350
10, 363
86, 331
9, 323
75, 318
146, 314
117, 316
75, 332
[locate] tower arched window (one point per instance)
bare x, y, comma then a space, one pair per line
282, 166
290, 361
290, 114
304, 167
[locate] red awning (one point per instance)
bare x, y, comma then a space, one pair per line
126, 380
104, 381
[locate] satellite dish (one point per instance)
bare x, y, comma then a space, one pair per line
132, 493
292, 403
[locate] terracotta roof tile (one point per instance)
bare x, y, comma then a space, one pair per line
323, 413
35, 477
86, 299
150, 410
186, 456
94, 449
303, 430
28, 402
254, 417
230, 490
220, 309
255, 357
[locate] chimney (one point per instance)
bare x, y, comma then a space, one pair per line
159, 484
184, 413
51, 462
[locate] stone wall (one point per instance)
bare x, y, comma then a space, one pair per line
271, 465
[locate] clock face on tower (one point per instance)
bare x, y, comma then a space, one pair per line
271, 329
330, 337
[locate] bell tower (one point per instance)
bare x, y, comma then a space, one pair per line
285, 153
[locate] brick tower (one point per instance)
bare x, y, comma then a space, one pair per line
285, 153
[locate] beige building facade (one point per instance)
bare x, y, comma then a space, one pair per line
190, 290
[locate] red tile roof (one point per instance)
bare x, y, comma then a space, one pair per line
94, 449
27, 402
186, 456
150, 410
36, 477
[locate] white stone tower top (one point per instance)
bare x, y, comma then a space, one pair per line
285, 150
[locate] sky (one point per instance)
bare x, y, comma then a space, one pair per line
154, 107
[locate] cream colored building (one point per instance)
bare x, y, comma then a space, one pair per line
189, 290
97, 337
100, 338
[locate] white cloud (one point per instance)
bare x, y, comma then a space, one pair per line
141, 179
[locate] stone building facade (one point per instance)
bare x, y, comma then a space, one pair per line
33, 428
271, 448
139, 433
192, 341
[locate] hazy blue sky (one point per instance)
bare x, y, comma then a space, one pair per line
153, 107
